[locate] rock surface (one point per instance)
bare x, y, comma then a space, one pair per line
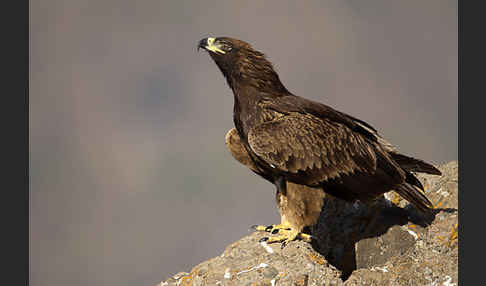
399, 247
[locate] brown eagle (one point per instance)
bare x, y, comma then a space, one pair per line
306, 148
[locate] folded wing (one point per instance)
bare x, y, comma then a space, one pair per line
315, 148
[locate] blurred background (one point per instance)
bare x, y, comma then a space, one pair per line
130, 177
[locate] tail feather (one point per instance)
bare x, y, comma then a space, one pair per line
415, 196
414, 165
412, 180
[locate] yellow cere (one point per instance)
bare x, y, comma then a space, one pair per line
214, 48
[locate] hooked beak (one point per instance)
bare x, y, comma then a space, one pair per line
202, 44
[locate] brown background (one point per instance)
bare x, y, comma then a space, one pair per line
130, 178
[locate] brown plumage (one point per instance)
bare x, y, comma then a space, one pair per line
301, 205
288, 138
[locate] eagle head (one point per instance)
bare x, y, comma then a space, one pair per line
241, 64
221, 46
226, 52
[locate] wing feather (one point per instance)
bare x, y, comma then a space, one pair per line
305, 144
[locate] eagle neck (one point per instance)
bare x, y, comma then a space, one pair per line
247, 111
267, 83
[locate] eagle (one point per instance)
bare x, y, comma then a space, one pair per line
306, 148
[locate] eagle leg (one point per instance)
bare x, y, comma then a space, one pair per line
281, 185
285, 231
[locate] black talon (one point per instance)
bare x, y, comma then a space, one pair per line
283, 245
268, 228
263, 239
275, 231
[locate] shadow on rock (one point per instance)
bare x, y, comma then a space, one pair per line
353, 236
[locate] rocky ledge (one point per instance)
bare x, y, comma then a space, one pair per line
402, 248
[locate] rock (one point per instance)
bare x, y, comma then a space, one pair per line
402, 248
376, 251
270, 272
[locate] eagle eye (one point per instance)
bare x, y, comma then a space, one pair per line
226, 47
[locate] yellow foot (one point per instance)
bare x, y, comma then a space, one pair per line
285, 234
274, 228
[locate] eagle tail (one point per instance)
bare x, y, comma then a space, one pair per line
415, 196
414, 165
413, 190
412, 180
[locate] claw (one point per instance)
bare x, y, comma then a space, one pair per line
305, 237
263, 228
263, 239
